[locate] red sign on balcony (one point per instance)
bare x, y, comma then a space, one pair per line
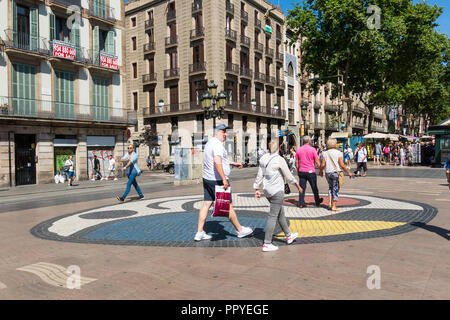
109, 61
63, 50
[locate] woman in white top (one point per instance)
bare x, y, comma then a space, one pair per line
272, 173
333, 163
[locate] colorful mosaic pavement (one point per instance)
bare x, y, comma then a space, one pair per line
172, 221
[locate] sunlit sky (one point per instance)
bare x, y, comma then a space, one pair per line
443, 21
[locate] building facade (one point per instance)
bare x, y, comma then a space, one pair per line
176, 48
61, 87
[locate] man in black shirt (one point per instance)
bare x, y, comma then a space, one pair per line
97, 173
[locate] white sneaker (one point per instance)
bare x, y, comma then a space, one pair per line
245, 231
291, 238
115, 179
269, 247
202, 236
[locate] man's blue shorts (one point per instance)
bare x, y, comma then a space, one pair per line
209, 189
71, 174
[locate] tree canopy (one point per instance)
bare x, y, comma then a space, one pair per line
387, 51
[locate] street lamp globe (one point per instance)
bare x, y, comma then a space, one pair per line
212, 87
275, 106
161, 105
254, 104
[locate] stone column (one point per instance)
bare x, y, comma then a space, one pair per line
237, 129
4, 159
263, 135
81, 166
46, 157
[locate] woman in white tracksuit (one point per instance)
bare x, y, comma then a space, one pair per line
272, 173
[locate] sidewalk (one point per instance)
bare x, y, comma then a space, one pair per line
77, 184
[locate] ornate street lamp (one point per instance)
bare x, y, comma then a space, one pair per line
254, 104
304, 112
210, 99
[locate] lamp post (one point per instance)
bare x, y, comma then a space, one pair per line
304, 112
161, 105
210, 99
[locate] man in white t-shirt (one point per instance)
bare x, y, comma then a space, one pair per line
361, 154
112, 167
216, 171
70, 172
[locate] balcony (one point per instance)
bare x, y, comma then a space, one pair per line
100, 60
358, 125
332, 126
149, 48
278, 35
279, 57
172, 109
171, 41
173, 73
231, 68
247, 108
271, 81
259, 48
21, 108
331, 107
269, 52
280, 83
150, 78
378, 115
23, 43
260, 77
171, 15
359, 108
230, 34
378, 128
149, 24
196, 7
63, 4
197, 33
245, 41
196, 68
229, 7
319, 125
246, 72
244, 16
258, 24
98, 10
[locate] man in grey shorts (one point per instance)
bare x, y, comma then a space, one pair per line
216, 170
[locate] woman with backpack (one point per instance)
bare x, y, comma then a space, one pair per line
272, 173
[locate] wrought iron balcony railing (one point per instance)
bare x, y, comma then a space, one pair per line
259, 47
269, 52
246, 72
229, 7
14, 107
171, 41
167, 109
171, 73
244, 16
149, 78
24, 41
196, 6
270, 80
197, 33
197, 67
99, 9
230, 34
258, 24
149, 24
245, 40
231, 67
261, 77
149, 47
171, 15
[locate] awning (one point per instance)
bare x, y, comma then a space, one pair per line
341, 135
376, 135
409, 138
392, 136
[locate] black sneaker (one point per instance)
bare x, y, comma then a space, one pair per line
320, 201
120, 199
141, 197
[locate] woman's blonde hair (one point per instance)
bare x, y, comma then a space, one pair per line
273, 146
331, 143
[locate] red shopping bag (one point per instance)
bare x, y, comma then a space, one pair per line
222, 203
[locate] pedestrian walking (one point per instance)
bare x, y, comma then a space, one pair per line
361, 158
333, 164
272, 174
377, 156
111, 168
348, 156
216, 172
68, 165
387, 152
305, 160
402, 153
130, 160
97, 173
447, 170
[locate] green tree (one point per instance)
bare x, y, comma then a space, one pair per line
380, 64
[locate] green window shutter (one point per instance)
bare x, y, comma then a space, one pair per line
14, 22
95, 46
100, 98
76, 39
52, 26
34, 30
65, 96
24, 89
110, 42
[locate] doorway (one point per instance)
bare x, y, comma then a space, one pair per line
25, 154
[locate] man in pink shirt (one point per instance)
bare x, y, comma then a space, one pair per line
305, 160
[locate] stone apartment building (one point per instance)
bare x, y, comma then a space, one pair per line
176, 48
61, 87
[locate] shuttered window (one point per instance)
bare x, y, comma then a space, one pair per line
100, 96
24, 89
64, 95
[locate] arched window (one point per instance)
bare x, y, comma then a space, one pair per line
290, 70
